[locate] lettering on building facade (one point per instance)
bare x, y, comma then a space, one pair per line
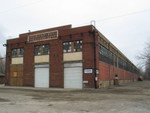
43, 36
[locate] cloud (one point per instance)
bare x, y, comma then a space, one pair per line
128, 33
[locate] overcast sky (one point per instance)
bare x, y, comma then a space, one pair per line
126, 23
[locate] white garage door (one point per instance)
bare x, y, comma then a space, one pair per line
42, 76
73, 75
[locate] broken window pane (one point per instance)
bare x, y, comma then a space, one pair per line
74, 46
17, 52
41, 50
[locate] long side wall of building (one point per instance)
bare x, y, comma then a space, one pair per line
107, 74
114, 67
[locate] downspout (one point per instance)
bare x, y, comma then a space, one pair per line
109, 67
95, 75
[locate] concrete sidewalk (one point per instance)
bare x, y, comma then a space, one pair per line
35, 88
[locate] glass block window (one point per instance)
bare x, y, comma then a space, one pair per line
74, 46
17, 52
41, 50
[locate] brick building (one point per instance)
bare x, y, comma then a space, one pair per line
66, 57
2, 78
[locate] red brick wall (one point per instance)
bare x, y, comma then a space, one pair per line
56, 55
28, 70
66, 33
88, 59
108, 72
56, 64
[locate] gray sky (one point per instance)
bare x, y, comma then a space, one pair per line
126, 23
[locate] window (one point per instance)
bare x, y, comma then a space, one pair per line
66, 47
111, 55
121, 63
17, 52
74, 46
41, 50
78, 46
115, 60
105, 55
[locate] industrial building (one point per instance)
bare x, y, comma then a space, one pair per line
2, 78
66, 57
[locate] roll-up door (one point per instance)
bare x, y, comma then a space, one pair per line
73, 75
42, 76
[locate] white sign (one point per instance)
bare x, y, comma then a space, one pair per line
96, 78
85, 81
88, 70
97, 71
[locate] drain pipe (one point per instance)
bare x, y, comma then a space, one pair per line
109, 68
95, 75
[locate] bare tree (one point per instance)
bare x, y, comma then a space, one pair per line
145, 60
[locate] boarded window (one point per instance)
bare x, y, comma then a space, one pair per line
14, 74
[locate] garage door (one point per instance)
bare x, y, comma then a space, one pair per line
73, 75
42, 76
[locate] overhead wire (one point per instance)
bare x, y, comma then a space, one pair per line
127, 14
97, 20
26, 5
115, 17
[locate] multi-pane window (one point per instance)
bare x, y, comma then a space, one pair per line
111, 61
105, 55
115, 60
41, 49
121, 63
124, 65
74, 46
17, 52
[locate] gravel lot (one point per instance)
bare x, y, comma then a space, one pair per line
129, 98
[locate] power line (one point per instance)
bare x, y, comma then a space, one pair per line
2, 42
99, 20
115, 17
128, 14
3, 39
26, 5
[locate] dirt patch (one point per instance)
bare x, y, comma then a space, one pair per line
129, 98
4, 100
